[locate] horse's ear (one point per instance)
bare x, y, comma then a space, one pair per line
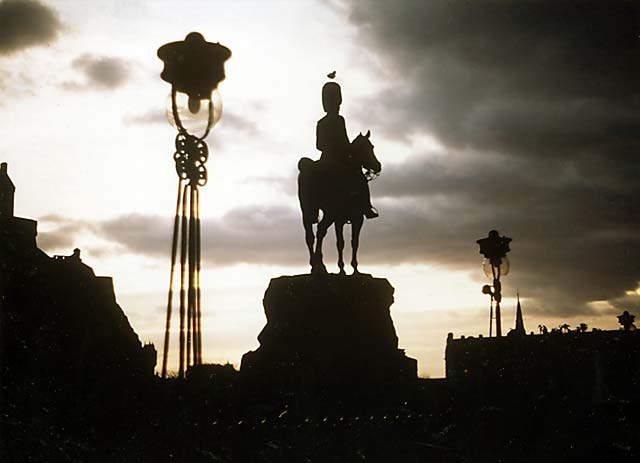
368, 133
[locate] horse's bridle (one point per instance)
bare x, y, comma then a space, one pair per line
371, 175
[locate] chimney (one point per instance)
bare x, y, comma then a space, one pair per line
7, 192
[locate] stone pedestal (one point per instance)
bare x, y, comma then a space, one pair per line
328, 329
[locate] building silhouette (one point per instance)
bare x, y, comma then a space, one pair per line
59, 320
592, 365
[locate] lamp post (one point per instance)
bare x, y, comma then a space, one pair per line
626, 320
495, 248
194, 68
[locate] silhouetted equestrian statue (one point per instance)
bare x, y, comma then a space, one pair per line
336, 184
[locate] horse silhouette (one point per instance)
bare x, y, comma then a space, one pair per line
335, 189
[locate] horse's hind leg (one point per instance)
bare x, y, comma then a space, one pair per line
321, 232
339, 226
356, 226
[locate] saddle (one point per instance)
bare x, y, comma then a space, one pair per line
338, 186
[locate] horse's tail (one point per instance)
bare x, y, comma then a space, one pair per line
307, 193
304, 164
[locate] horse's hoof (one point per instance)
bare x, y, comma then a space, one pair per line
358, 274
342, 272
318, 269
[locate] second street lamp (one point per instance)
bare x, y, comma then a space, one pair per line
495, 248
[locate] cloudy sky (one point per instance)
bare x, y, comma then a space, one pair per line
520, 116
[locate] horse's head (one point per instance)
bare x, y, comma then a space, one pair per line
362, 153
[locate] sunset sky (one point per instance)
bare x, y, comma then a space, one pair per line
519, 116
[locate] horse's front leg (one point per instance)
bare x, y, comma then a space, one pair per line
356, 226
339, 226
321, 232
309, 236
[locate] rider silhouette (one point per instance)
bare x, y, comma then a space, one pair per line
332, 141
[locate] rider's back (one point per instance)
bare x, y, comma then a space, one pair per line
331, 138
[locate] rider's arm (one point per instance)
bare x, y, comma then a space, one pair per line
342, 131
319, 138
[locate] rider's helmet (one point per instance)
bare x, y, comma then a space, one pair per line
331, 96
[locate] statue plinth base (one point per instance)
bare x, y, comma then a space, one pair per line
327, 329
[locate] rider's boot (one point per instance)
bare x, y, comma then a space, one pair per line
371, 212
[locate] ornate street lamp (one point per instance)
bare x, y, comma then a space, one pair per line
194, 68
626, 320
494, 248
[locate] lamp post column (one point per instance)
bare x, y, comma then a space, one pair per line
194, 68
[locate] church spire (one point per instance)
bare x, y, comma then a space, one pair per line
7, 192
519, 328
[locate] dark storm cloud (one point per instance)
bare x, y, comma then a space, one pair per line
25, 24
420, 232
247, 235
627, 302
574, 241
100, 72
538, 107
531, 77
